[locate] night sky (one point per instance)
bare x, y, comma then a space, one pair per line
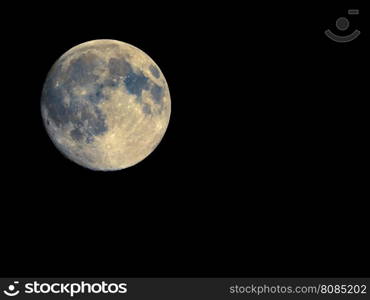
261, 170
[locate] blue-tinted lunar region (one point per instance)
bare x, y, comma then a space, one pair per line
105, 105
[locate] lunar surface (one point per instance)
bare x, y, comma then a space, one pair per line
105, 105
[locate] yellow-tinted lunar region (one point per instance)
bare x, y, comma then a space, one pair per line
105, 105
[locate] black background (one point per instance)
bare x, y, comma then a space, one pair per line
261, 171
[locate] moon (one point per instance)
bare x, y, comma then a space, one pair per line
105, 105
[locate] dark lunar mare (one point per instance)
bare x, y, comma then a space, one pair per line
135, 82
157, 93
86, 118
81, 69
97, 95
154, 70
119, 67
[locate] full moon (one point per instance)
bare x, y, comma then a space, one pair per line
105, 105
